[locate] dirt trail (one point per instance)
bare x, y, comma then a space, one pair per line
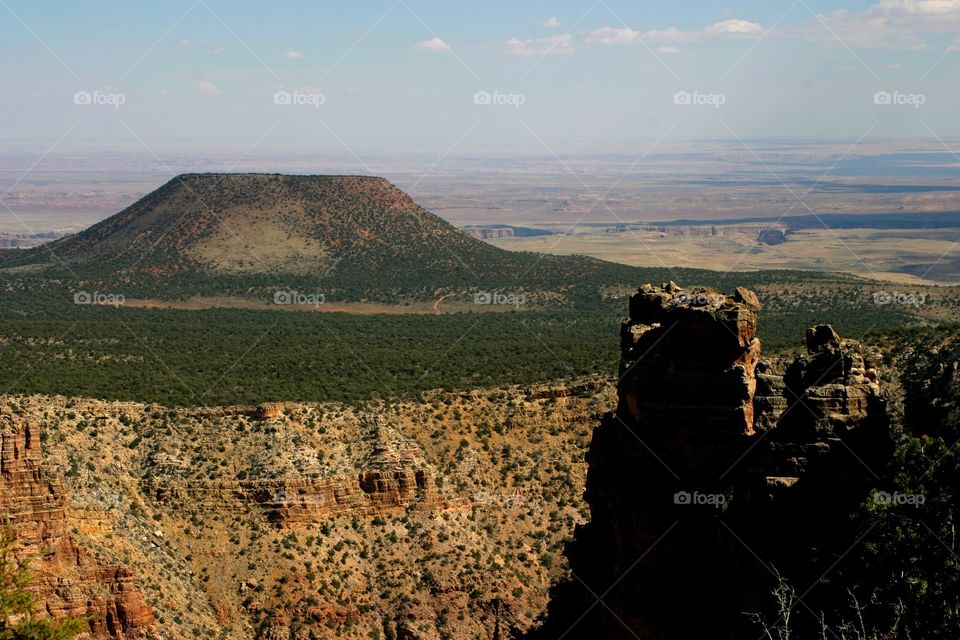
359, 308
436, 305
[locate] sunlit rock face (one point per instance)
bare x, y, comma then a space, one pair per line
68, 582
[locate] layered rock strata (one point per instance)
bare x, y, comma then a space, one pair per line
68, 581
392, 478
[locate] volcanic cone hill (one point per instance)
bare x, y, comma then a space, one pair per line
352, 237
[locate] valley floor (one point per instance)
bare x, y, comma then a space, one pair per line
915, 256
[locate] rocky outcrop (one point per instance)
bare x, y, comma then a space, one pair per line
772, 237
67, 581
688, 361
717, 468
392, 478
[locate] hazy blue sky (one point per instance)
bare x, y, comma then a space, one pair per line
390, 74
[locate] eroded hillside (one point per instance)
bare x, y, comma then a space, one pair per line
444, 518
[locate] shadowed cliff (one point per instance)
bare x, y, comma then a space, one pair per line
717, 471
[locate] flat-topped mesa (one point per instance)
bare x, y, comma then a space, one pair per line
688, 360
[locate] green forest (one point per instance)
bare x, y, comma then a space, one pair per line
233, 356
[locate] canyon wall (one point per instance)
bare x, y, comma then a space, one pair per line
717, 471
392, 478
68, 582
443, 517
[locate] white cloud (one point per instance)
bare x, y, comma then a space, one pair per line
611, 35
895, 66
207, 88
664, 48
190, 43
293, 55
895, 24
890, 24
671, 35
551, 23
434, 44
920, 7
554, 45
734, 27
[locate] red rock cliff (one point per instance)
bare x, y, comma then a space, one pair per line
67, 581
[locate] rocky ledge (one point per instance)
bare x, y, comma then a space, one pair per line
718, 469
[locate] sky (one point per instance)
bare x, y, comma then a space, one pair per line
388, 76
